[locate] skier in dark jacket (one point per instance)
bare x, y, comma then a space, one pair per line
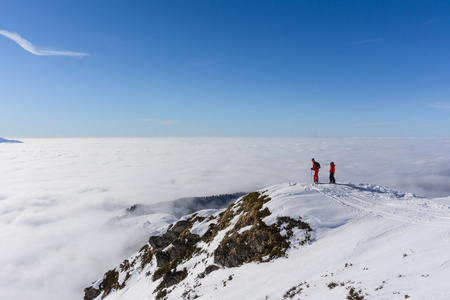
332, 170
315, 168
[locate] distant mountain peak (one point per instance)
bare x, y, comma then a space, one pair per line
2, 140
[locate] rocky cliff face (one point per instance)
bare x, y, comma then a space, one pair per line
204, 242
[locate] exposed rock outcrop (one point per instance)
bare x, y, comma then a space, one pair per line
91, 293
259, 242
236, 236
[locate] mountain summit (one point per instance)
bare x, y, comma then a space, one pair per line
295, 241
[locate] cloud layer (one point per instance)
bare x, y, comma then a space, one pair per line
61, 199
35, 50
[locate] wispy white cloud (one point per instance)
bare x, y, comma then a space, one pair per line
161, 122
440, 105
35, 50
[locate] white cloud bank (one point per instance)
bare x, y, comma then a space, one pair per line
35, 50
59, 198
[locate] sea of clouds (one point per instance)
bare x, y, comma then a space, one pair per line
61, 200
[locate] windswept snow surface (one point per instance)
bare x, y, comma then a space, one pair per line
381, 243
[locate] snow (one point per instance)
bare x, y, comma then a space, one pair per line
385, 243
200, 228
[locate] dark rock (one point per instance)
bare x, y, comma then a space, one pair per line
110, 282
208, 235
187, 241
91, 293
133, 208
159, 242
257, 244
162, 258
178, 249
182, 246
179, 227
211, 268
173, 277
259, 240
192, 239
233, 254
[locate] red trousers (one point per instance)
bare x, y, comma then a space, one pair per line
316, 175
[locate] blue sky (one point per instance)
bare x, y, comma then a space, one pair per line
224, 68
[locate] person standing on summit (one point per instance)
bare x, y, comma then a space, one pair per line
332, 170
315, 168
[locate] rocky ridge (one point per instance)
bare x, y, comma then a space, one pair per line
204, 242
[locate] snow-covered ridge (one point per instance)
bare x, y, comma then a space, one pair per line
296, 241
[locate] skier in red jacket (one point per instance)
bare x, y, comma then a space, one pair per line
332, 170
315, 168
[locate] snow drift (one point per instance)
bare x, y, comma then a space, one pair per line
343, 241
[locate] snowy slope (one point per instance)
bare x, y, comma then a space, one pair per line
367, 242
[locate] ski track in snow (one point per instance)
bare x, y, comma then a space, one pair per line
391, 205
